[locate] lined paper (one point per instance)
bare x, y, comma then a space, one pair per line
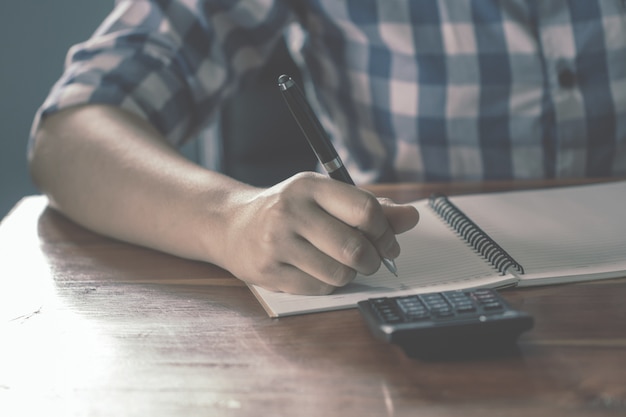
562, 234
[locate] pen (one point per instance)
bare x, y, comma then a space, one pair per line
318, 139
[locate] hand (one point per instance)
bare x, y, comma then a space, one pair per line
311, 234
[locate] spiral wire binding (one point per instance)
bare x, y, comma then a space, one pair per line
473, 234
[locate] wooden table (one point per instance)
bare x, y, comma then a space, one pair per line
95, 327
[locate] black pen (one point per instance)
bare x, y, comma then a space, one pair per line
318, 139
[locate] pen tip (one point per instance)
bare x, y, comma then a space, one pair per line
391, 266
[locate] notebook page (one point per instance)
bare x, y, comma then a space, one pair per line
564, 234
433, 258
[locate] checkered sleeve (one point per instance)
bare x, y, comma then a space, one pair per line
169, 61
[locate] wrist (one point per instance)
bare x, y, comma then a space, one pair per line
216, 217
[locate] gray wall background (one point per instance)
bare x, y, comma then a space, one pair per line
34, 38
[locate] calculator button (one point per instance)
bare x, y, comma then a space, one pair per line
492, 306
392, 318
432, 298
409, 301
459, 296
466, 308
424, 315
388, 316
434, 306
417, 315
414, 310
485, 297
443, 312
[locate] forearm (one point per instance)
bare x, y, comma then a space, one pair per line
113, 173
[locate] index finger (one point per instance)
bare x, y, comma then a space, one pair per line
357, 208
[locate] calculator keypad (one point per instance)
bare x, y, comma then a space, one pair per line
446, 323
437, 306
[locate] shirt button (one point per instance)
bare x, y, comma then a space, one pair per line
567, 78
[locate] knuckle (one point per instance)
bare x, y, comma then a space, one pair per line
355, 250
272, 222
304, 179
279, 207
342, 275
271, 241
368, 210
361, 255
267, 266
271, 237
305, 176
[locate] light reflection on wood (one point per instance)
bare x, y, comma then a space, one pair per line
92, 326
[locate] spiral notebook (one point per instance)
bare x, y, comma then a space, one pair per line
522, 238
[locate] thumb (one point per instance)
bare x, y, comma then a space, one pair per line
401, 217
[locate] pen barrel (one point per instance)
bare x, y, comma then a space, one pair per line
318, 139
313, 131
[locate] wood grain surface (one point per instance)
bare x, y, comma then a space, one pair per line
95, 327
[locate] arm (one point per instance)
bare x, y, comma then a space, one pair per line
300, 236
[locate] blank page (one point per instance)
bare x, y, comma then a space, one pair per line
557, 234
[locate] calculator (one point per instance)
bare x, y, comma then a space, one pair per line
444, 323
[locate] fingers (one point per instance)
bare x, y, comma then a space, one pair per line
305, 270
363, 211
292, 280
310, 271
340, 242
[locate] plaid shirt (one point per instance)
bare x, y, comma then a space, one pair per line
409, 89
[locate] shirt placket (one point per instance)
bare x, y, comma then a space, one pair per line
567, 134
